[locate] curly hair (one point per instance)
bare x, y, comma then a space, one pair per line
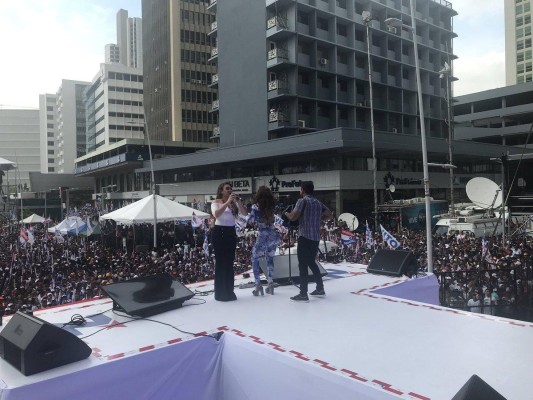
266, 203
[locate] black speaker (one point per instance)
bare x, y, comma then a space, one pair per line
393, 263
281, 269
148, 295
32, 345
476, 388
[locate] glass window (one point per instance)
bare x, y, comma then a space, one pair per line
520, 79
520, 57
519, 33
519, 9
527, 7
520, 69
322, 23
528, 67
519, 21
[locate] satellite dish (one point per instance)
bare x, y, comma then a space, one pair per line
484, 193
391, 188
350, 219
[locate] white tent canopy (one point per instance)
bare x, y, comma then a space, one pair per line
142, 211
33, 219
69, 224
6, 165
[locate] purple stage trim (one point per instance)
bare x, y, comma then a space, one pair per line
424, 290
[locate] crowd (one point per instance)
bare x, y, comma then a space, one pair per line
55, 270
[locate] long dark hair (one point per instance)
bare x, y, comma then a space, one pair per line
266, 203
232, 206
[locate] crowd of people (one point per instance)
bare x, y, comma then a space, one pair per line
52, 270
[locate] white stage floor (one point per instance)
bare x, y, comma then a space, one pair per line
401, 348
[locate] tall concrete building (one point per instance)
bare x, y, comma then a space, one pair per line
66, 121
19, 142
47, 129
177, 70
129, 40
112, 53
128, 50
114, 106
518, 47
306, 69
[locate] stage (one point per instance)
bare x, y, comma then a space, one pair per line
371, 337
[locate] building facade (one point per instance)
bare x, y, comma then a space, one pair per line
112, 53
177, 72
47, 129
316, 73
19, 143
129, 40
518, 47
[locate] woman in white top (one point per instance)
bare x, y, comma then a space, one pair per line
225, 209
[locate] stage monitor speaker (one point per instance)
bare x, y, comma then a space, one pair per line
148, 295
32, 345
393, 263
475, 389
283, 275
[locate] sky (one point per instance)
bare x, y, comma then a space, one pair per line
45, 41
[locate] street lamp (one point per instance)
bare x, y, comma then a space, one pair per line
446, 72
366, 19
152, 183
398, 23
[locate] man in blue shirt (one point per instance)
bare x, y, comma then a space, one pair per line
309, 213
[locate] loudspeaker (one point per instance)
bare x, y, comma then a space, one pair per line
32, 345
393, 263
148, 295
476, 388
281, 269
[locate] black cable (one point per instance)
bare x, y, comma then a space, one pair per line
76, 320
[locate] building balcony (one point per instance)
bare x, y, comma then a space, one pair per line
214, 53
214, 27
214, 80
278, 88
277, 56
216, 133
215, 105
212, 6
278, 28
277, 120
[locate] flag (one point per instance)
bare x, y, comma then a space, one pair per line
195, 221
206, 246
23, 236
278, 224
240, 224
31, 237
368, 240
389, 239
347, 238
485, 252
89, 227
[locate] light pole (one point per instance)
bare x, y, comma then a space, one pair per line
446, 72
429, 240
152, 183
366, 19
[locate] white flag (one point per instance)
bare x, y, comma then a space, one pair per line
389, 239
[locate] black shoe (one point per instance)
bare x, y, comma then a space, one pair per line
318, 292
300, 298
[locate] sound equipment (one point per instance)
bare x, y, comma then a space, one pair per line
393, 263
476, 388
281, 269
148, 295
32, 345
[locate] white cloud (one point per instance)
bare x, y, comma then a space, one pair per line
479, 72
50, 41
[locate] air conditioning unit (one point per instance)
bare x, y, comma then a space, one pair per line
323, 61
301, 123
394, 130
392, 29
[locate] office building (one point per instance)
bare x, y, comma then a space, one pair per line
518, 48
177, 72
19, 143
112, 53
129, 40
62, 127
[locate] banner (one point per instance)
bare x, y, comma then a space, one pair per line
389, 239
